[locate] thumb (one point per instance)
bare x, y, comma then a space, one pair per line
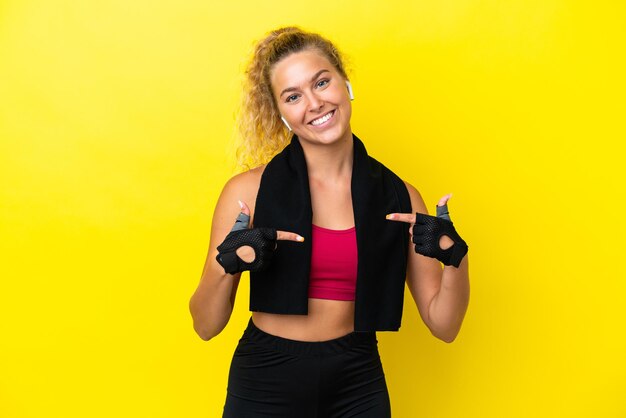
444, 199
442, 207
244, 208
243, 219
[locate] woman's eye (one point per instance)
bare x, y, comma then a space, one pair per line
322, 83
292, 98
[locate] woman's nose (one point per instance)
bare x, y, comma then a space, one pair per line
315, 102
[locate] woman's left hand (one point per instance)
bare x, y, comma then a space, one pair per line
435, 236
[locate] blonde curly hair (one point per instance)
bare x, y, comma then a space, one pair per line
261, 132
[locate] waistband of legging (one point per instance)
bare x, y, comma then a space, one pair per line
329, 347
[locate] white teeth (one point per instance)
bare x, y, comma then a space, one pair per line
323, 118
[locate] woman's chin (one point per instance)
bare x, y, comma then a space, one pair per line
331, 136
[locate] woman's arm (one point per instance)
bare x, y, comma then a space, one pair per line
441, 296
212, 303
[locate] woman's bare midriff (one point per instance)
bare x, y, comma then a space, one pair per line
327, 319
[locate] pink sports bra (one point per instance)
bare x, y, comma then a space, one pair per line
333, 264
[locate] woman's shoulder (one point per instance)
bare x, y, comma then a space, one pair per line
243, 186
412, 190
417, 202
246, 179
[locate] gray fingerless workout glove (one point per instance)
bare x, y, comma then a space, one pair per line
429, 229
442, 212
262, 240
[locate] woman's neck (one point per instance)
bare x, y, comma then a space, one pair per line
329, 161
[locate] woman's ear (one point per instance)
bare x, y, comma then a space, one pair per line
350, 93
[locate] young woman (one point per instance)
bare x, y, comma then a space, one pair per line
330, 239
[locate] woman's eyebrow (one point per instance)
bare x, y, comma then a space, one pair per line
317, 74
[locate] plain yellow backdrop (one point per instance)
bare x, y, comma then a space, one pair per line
116, 122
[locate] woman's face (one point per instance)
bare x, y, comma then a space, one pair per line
312, 96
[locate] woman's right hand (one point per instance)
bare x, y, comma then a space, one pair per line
246, 248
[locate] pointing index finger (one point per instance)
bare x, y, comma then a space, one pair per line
402, 217
288, 236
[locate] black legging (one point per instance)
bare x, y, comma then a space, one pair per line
275, 377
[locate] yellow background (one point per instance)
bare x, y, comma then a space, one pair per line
116, 119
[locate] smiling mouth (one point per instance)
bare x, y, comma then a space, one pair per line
323, 119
